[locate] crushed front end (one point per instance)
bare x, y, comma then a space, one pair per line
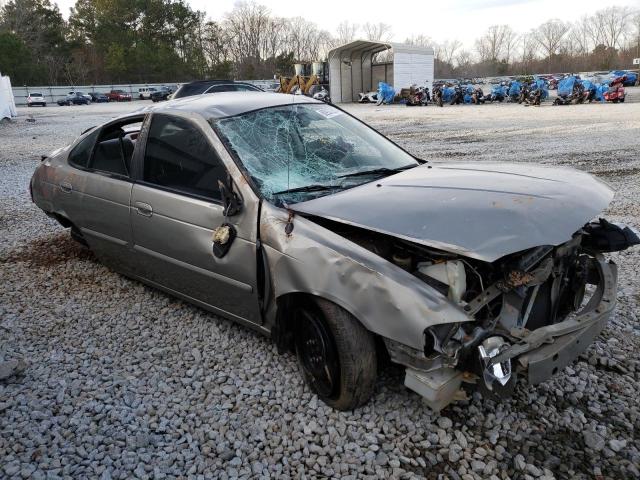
531, 313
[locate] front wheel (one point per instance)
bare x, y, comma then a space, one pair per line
336, 354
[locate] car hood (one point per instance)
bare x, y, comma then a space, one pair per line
483, 211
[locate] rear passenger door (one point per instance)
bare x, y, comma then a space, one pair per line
176, 205
103, 192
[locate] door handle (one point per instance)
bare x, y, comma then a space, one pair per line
66, 187
143, 209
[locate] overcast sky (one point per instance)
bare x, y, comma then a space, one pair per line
447, 19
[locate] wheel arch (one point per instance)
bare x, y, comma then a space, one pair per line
283, 327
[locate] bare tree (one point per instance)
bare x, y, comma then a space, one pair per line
463, 60
446, 51
549, 36
245, 26
581, 37
304, 39
377, 31
420, 41
346, 32
611, 25
528, 49
496, 44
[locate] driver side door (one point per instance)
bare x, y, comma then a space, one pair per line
175, 207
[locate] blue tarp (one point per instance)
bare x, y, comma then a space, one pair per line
600, 91
542, 85
447, 93
565, 86
631, 76
467, 90
514, 88
386, 92
499, 90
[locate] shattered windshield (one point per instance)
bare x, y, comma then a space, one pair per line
299, 151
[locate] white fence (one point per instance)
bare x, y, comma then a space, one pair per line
54, 93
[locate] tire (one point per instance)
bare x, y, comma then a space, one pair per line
336, 354
622, 100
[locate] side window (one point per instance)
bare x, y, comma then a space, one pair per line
79, 156
178, 156
114, 147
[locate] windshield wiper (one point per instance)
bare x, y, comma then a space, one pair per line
378, 171
310, 188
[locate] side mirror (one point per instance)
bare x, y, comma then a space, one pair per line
230, 199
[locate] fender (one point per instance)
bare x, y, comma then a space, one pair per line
384, 298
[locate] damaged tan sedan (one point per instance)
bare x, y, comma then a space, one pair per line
291, 216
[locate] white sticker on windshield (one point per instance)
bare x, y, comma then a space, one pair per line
329, 112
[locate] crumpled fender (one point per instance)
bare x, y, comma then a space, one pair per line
384, 298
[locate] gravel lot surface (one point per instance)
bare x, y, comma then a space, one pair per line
124, 381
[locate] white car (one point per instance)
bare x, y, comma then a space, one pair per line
145, 93
36, 99
85, 95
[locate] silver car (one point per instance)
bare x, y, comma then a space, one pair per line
292, 217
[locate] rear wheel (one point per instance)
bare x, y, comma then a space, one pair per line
336, 354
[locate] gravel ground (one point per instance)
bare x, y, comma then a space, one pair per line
124, 381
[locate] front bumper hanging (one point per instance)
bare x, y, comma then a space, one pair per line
547, 350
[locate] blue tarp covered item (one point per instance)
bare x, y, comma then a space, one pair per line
600, 91
499, 90
514, 89
565, 86
467, 90
631, 76
386, 92
542, 85
447, 93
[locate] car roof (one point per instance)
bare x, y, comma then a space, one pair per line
228, 104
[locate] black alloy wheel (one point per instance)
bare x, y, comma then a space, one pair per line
317, 353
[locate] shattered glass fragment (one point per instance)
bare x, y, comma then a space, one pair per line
296, 146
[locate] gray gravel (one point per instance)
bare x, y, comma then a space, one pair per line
123, 381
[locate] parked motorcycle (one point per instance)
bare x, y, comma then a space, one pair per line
514, 91
570, 89
524, 93
498, 94
418, 96
458, 96
615, 92
437, 95
537, 91
477, 97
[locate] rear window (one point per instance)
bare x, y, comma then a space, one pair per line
79, 156
35, 94
189, 90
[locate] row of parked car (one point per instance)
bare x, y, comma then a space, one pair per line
155, 94
79, 98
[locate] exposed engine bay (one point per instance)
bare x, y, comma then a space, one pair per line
505, 300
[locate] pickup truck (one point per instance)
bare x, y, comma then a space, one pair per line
119, 96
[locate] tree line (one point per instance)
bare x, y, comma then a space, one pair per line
152, 41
